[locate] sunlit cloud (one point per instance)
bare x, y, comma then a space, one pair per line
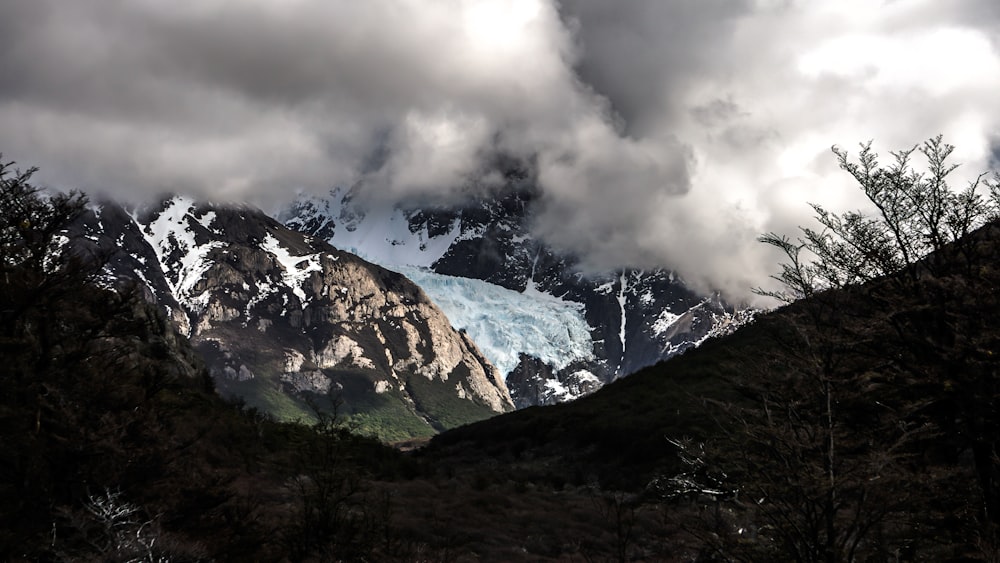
664, 133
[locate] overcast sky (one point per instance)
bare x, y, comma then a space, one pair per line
665, 132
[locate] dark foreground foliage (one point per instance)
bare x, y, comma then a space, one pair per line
114, 445
857, 424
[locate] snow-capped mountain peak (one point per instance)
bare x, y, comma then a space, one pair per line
295, 269
176, 236
285, 320
554, 331
383, 235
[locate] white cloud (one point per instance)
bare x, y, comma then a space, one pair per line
665, 132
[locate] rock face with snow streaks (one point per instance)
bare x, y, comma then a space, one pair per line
285, 319
555, 332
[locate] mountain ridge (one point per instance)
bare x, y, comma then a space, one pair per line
285, 320
634, 317
856, 423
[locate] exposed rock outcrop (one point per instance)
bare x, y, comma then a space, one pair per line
635, 318
284, 319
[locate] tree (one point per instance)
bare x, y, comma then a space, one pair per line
108, 528
925, 260
917, 216
337, 517
881, 380
83, 373
921, 239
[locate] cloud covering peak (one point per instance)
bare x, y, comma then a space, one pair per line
663, 132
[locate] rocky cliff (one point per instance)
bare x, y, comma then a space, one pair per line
630, 318
288, 323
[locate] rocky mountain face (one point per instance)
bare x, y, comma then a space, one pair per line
630, 319
287, 322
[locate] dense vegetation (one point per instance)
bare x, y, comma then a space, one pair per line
858, 423
114, 446
113, 443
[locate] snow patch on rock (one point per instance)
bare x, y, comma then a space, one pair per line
170, 234
296, 268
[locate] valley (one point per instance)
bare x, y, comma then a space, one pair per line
866, 412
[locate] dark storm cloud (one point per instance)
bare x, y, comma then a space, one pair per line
994, 163
640, 52
665, 132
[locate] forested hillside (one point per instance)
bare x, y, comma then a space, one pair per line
858, 423
114, 445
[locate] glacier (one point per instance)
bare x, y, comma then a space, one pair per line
640, 317
505, 323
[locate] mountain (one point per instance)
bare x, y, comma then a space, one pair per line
285, 321
855, 424
860, 423
555, 331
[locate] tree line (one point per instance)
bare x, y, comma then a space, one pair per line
870, 431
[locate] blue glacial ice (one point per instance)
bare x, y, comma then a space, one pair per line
504, 323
